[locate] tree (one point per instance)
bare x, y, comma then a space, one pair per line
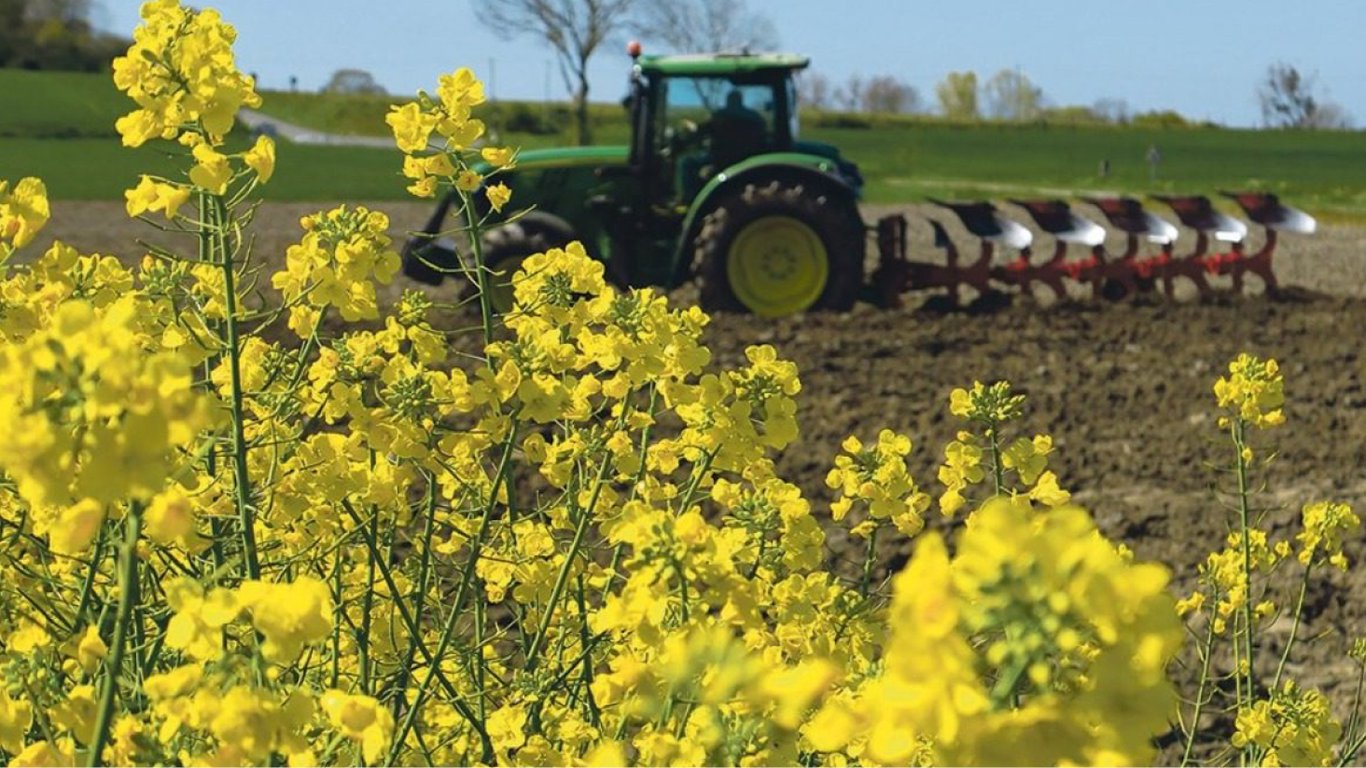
885, 94
354, 81
813, 90
702, 26
573, 28
54, 34
957, 94
849, 97
1288, 101
1011, 96
1112, 110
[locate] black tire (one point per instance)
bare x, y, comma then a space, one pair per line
507, 246
832, 217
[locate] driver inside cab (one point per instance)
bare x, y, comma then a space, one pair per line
736, 131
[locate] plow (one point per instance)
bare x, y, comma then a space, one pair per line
1005, 257
716, 187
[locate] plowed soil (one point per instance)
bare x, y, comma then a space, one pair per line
1125, 390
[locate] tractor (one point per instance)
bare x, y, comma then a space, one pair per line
715, 186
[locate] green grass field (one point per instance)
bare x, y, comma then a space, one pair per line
63, 132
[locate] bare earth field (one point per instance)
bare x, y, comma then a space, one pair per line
1124, 389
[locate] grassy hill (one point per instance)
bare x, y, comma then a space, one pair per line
1319, 171
55, 105
63, 131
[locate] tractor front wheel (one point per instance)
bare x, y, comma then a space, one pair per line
779, 249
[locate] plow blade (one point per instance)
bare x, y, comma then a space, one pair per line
1127, 215
984, 221
1266, 209
1198, 213
1057, 219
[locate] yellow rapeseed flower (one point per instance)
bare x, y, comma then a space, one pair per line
23, 211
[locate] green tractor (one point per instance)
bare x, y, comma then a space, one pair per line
715, 186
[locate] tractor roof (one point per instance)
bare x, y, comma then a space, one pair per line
710, 64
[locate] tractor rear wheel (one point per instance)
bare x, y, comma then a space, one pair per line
779, 249
507, 246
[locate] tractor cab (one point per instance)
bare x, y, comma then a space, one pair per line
694, 116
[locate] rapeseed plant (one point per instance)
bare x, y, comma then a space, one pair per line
224, 549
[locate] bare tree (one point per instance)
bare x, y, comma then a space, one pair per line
957, 94
699, 26
1112, 110
1288, 101
574, 28
60, 10
813, 90
353, 81
849, 97
885, 94
1010, 95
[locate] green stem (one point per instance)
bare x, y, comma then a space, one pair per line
420, 609
561, 578
868, 558
480, 668
410, 624
1244, 522
367, 605
462, 592
128, 587
1206, 652
997, 471
88, 584
481, 272
1294, 627
1354, 720
339, 589
594, 714
1004, 692
212, 205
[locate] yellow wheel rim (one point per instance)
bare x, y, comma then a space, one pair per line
501, 296
777, 266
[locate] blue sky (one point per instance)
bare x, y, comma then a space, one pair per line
1203, 58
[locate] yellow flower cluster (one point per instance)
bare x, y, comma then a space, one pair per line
207, 719
1074, 633
455, 163
986, 404
287, 616
23, 211
343, 253
97, 415
1253, 392
877, 476
1225, 575
181, 71
1325, 523
969, 457
183, 75
1294, 726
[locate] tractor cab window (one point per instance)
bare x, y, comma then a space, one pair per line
711, 123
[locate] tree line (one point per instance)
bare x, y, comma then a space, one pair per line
54, 34
576, 29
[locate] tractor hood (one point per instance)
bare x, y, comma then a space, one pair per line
568, 157
821, 149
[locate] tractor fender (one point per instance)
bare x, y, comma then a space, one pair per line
814, 172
